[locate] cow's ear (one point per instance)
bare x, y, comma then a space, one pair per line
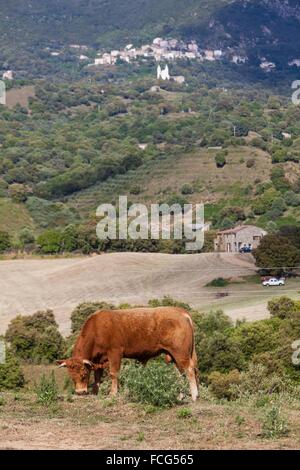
89, 364
61, 363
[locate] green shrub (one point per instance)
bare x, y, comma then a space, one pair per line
256, 337
273, 424
218, 282
257, 381
292, 199
5, 242
11, 375
221, 384
282, 307
184, 413
82, 312
26, 236
187, 189
47, 390
220, 159
35, 338
216, 350
156, 384
50, 242
167, 301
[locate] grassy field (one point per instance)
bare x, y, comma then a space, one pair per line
14, 216
211, 184
102, 423
19, 96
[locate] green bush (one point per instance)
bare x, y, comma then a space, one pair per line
156, 384
82, 312
283, 307
218, 282
292, 199
167, 301
216, 350
220, 159
221, 384
257, 381
11, 375
50, 242
47, 390
5, 242
26, 236
35, 338
274, 425
256, 337
187, 189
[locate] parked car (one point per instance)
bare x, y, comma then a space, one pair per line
273, 281
246, 249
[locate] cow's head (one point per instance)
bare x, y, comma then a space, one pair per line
79, 371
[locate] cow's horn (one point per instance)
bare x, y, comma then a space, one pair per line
87, 362
62, 364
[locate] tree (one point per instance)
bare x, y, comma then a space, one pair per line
35, 338
11, 375
282, 307
50, 241
292, 233
19, 192
26, 236
83, 311
220, 159
276, 254
5, 243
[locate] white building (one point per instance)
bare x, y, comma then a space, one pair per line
267, 66
218, 54
163, 74
209, 55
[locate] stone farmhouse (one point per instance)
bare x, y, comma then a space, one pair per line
232, 240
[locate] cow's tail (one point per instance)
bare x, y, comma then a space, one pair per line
193, 354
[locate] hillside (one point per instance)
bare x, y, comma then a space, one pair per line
134, 278
74, 146
255, 29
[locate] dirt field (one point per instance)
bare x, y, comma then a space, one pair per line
101, 423
61, 284
19, 96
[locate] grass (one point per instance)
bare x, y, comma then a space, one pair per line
164, 175
206, 424
14, 216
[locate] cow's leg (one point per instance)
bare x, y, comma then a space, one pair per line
187, 366
190, 372
114, 359
98, 373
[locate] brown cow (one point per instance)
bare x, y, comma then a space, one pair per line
137, 333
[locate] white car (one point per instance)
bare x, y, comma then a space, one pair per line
273, 281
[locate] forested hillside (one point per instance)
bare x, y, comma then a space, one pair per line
256, 29
76, 146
